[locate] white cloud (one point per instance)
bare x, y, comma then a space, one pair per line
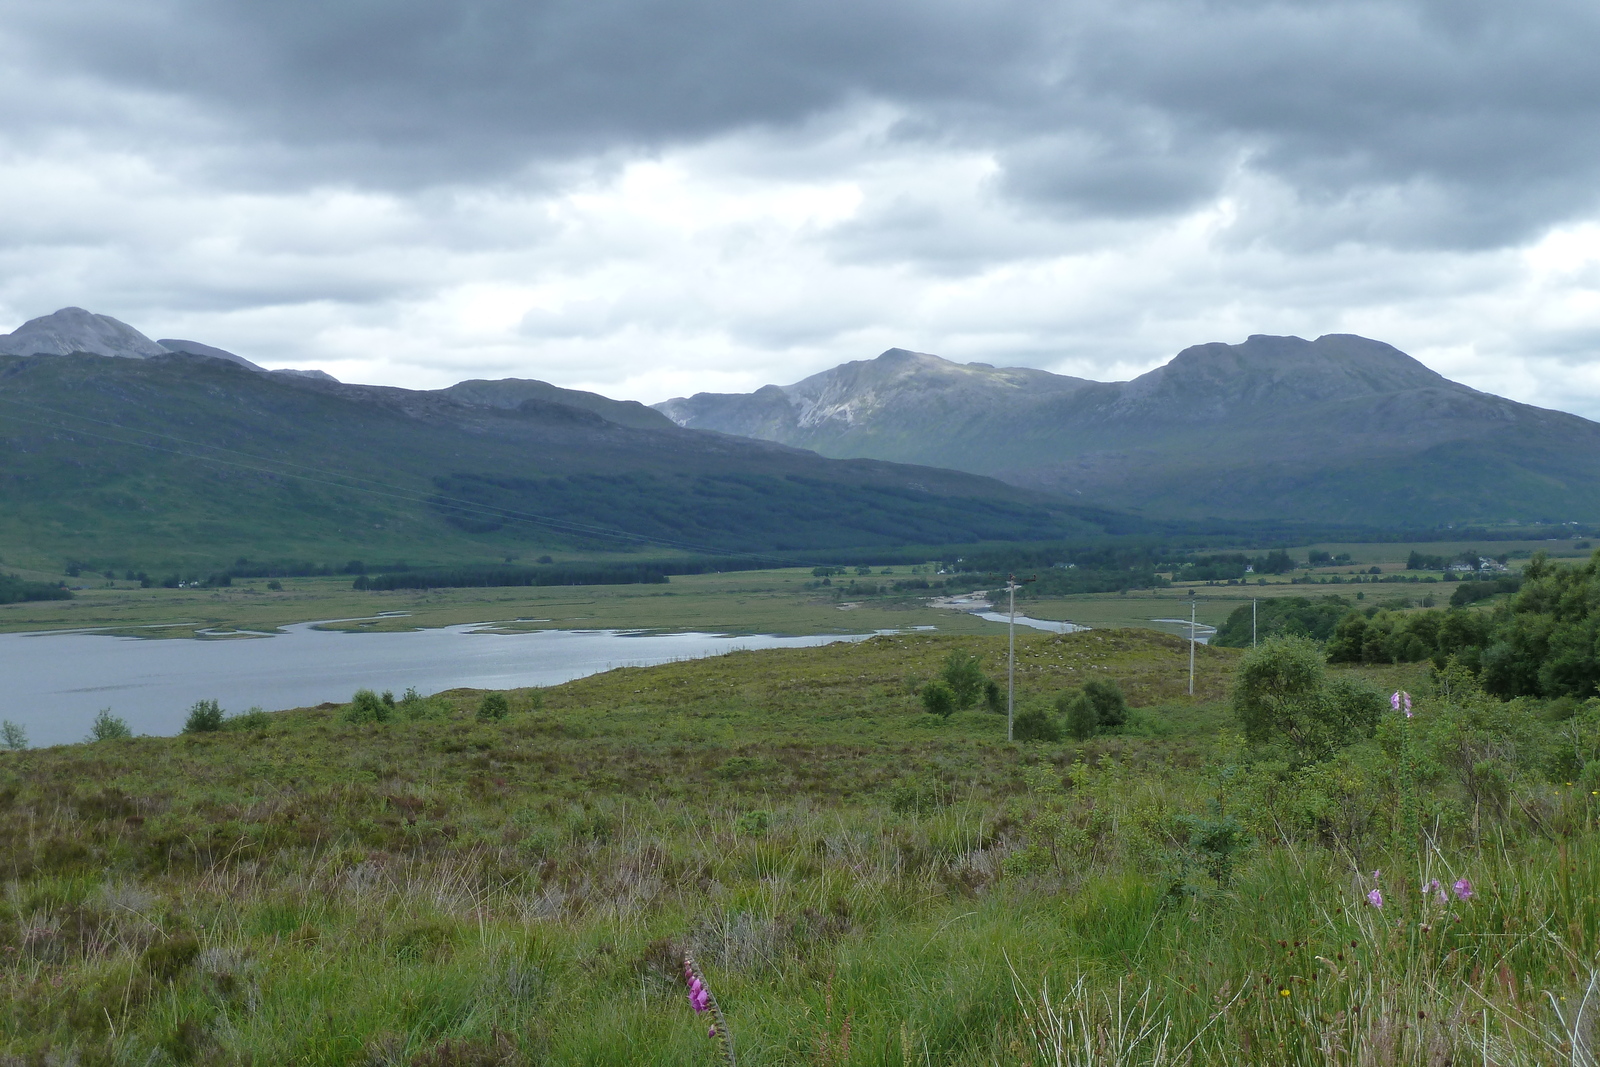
1088, 213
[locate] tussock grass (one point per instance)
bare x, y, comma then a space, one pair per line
861, 882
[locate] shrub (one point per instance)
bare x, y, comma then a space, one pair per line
1281, 695
13, 737
1111, 709
493, 707
254, 719
414, 707
1036, 724
938, 699
1083, 722
204, 717
108, 727
994, 697
1099, 705
755, 822
367, 706
963, 673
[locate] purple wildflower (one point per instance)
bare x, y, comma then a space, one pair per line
1463, 889
701, 1000
1401, 699
1436, 889
1375, 896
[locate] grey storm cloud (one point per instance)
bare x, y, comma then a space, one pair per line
1453, 124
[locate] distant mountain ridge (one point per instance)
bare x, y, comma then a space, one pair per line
1342, 429
73, 329
146, 454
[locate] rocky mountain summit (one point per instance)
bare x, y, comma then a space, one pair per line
75, 330
1342, 428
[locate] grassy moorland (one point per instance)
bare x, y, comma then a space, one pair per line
863, 883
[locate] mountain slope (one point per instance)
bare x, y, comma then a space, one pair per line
152, 461
1342, 429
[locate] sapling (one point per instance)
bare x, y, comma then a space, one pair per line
13, 737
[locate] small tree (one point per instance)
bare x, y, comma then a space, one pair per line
367, 706
1083, 721
1097, 706
108, 727
13, 738
493, 707
963, 673
939, 699
1281, 695
1110, 708
204, 717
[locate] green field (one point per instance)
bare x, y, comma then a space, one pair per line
741, 602
863, 883
775, 601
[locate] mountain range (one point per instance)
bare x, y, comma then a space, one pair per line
1339, 429
124, 452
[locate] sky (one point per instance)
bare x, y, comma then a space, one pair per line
652, 199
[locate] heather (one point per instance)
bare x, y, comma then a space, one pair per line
418, 880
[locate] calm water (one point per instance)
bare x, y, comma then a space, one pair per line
1037, 624
53, 684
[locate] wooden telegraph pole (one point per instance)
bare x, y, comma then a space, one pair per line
1011, 652
1191, 646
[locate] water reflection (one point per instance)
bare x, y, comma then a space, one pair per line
53, 684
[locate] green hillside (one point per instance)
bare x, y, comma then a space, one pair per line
461, 881
182, 460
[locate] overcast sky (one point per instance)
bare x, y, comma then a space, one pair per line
651, 199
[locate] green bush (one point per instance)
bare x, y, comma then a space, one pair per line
493, 707
204, 717
1110, 707
254, 719
963, 673
1036, 724
755, 822
1281, 695
367, 706
108, 727
1098, 706
13, 738
938, 699
414, 707
1083, 722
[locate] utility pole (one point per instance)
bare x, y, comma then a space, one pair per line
1252, 622
1191, 647
1011, 656
1011, 651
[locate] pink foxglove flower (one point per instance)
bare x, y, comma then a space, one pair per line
1463, 889
701, 1000
1401, 699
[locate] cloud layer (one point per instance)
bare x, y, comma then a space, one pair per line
648, 198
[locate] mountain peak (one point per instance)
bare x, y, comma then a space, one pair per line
73, 329
1334, 365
